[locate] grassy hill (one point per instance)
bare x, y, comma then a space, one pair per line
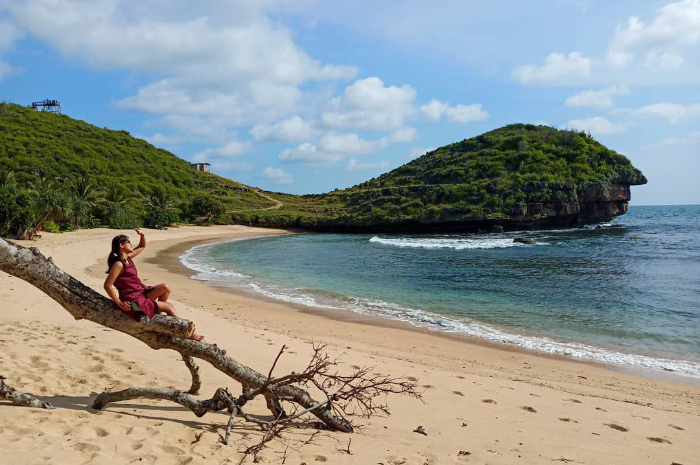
501, 177
518, 176
40, 146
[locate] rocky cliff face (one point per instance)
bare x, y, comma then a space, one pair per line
593, 205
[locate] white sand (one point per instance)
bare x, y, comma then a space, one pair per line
475, 394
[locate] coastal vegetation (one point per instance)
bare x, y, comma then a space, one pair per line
495, 176
60, 173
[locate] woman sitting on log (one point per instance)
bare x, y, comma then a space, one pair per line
134, 297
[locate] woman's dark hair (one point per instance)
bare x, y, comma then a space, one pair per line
114, 254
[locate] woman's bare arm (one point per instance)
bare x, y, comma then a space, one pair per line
117, 268
142, 244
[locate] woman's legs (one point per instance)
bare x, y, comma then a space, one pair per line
161, 292
168, 309
165, 307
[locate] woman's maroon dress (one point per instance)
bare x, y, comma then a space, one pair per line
133, 291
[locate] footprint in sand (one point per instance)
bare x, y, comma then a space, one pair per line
101, 432
600, 409
489, 401
659, 440
85, 447
677, 427
428, 386
568, 420
459, 393
396, 460
575, 401
137, 446
528, 409
38, 362
411, 378
172, 450
617, 427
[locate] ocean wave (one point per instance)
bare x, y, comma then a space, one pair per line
206, 272
444, 243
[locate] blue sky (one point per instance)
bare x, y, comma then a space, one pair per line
305, 96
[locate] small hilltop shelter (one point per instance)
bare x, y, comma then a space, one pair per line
206, 167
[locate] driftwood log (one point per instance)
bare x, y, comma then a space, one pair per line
21, 398
359, 392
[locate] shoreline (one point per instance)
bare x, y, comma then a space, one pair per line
495, 404
169, 259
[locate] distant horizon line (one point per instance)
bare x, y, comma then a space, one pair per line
666, 205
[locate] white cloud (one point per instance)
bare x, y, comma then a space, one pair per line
293, 129
368, 104
692, 138
416, 152
403, 135
350, 143
5, 70
596, 98
354, 165
8, 35
557, 67
675, 29
466, 113
227, 61
277, 175
596, 125
223, 153
211, 129
434, 110
674, 113
308, 154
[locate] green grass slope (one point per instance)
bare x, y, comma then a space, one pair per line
494, 176
65, 148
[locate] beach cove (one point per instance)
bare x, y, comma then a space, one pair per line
483, 403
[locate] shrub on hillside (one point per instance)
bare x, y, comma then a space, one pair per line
16, 211
159, 217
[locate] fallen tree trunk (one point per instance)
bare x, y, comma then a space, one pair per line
158, 333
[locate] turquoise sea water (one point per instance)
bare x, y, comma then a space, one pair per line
626, 293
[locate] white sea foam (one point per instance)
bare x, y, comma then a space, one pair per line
445, 243
431, 321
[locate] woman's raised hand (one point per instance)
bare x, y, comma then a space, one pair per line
137, 231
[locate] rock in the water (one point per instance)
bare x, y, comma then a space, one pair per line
524, 240
497, 228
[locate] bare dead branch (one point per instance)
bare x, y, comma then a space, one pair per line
194, 372
21, 398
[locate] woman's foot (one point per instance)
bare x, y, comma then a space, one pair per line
196, 337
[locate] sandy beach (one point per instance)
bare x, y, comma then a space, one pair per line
482, 403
